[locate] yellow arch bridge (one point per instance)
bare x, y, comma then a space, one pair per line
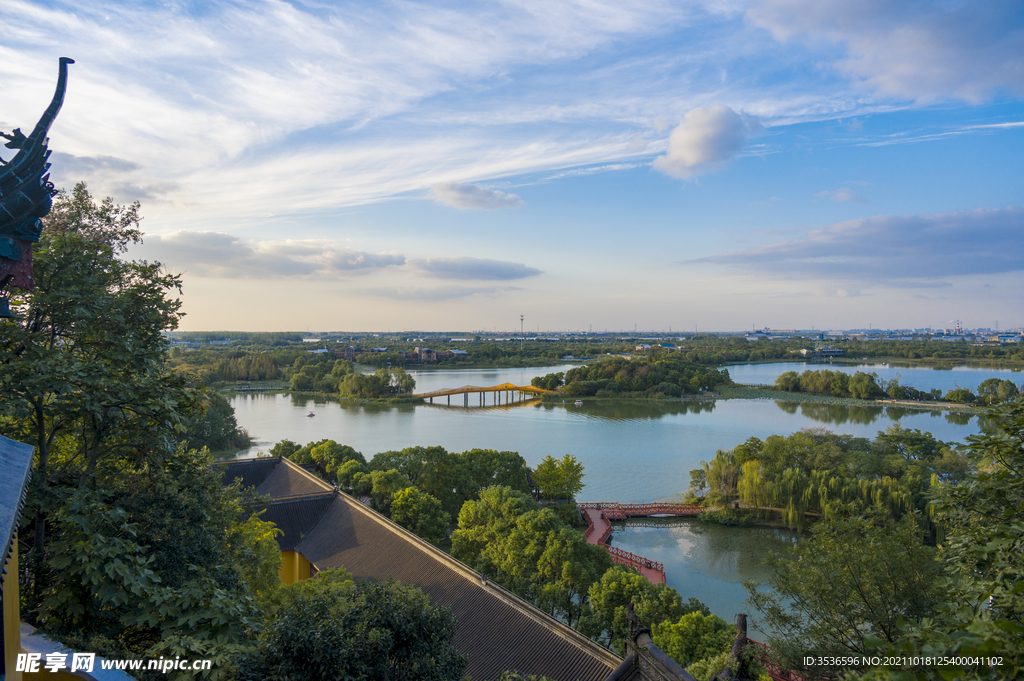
506, 393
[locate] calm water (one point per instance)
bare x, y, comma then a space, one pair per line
922, 378
633, 451
710, 562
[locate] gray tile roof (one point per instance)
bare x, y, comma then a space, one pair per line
15, 472
498, 630
250, 472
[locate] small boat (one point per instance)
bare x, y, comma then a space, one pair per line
579, 403
310, 414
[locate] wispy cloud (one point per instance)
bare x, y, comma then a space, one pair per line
473, 268
894, 248
429, 293
843, 195
473, 197
217, 255
922, 51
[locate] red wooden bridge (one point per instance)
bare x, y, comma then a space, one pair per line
616, 511
599, 528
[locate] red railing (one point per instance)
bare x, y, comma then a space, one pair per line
633, 560
613, 510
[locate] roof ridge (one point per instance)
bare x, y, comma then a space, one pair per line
302, 471
247, 460
302, 497
553, 625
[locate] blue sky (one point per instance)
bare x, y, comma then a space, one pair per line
401, 165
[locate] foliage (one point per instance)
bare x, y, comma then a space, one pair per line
83, 374
331, 628
385, 382
159, 558
812, 470
559, 479
528, 550
856, 577
836, 383
421, 514
385, 484
454, 478
982, 579
319, 373
217, 429
693, 637
997, 391
961, 396
619, 586
653, 376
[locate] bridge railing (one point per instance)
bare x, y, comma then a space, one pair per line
616, 511
633, 560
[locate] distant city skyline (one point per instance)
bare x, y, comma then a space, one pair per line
584, 164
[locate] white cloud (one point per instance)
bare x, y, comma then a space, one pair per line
472, 197
887, 248
473, 268
703, 141
915, 49
217, 255
843, 195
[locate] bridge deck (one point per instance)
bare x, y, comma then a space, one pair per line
599, 528
504, 387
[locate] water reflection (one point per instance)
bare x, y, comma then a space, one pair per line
710, 562
837, 414
631, 410
841, 414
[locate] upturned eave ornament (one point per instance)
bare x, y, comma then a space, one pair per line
26, 195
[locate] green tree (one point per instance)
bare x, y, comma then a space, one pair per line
159, 559
610, 596
385, 485
961, 396
856, 577
482, 521
421, 514
982, 581
693, 637
332, 628
217, 428
997, 391
82, 364
559, 478
788, 381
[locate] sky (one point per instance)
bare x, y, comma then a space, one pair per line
590, 165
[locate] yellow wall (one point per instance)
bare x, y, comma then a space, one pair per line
294, 567
12, 615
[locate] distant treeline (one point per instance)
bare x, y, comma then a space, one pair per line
660, 376
867, 386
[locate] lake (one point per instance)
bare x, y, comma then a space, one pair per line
633, 451
922, 378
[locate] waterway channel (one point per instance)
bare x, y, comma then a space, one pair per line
633, 451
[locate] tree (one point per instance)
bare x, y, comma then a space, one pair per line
856, 577
864, 386
559, 479
217, 428
694, 637
482, 521
981, 612
83, 362
788, 381
997, 391
618, 587
960, 395
159, 559
421, 514
332, 628
385, 485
